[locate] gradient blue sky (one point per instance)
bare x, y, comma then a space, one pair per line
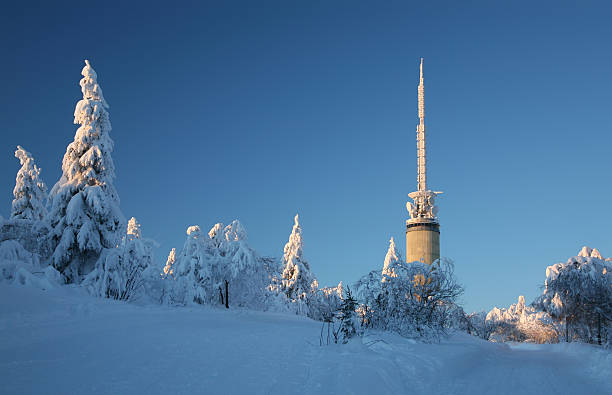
258, 110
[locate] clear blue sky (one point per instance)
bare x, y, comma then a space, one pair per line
258, 110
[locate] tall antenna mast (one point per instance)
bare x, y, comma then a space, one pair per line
421, 153
424, 206
423, 228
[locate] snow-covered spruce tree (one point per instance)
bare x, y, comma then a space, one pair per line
30, 191
392, 258
169, 267
85, 214
348, 317
120, 273
192, 271
163, 289
26, 225
296, 277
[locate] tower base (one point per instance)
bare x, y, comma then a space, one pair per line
422, 240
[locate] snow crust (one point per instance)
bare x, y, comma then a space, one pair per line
65, 340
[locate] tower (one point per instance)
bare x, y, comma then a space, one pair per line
423, 228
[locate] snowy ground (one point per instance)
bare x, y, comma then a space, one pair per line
62, 341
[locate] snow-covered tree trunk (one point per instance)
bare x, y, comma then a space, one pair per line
85, 214
30, 191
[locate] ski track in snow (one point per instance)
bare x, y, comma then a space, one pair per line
63, 341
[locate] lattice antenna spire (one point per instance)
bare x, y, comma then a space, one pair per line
421, 154
424, 206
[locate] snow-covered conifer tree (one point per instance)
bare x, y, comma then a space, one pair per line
236, 249
85, 214
119, 275
30, 191
169, 268
296, 277
245, 272
205, 264
392, 258
348, 317
133, 229
192, 270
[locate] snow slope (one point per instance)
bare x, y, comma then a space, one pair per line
63, 341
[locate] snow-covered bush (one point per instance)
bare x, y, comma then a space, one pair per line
14, 256
418, 300
520, 323
578, 295
120, 272
477, 325
84, 214
33, 235
412, 299
30, 192
369, 289
368, 292
324, 303
21, 267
